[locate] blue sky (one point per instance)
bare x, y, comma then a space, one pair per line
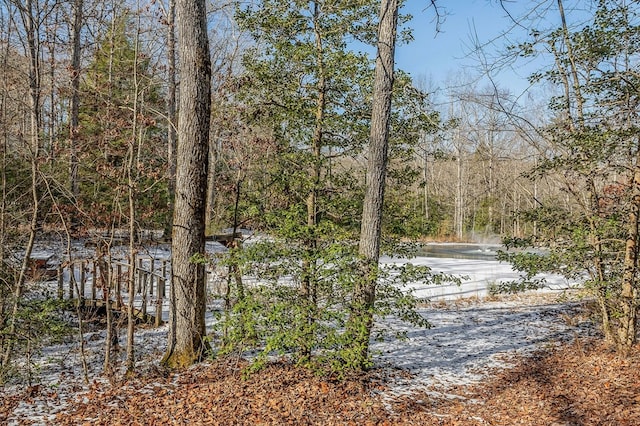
439, 56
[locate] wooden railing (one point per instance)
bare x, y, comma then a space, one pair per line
95, 282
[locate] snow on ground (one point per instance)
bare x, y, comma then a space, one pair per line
468, 336
476, 263
469, 333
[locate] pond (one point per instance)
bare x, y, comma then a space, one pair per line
461, 251
476, 264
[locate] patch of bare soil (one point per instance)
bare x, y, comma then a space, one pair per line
579, 384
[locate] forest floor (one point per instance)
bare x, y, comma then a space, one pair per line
451, 377
579, 383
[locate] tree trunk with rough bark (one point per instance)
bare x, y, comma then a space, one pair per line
629, 296
187, 335
361, 319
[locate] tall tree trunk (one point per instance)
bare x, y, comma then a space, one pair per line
171, 109
308, 288
618, 316
361, 320
132, 178
3, 163
629, 300
575, 113
425, 188
5, 289
29, 13
52, 125
187, 343
106, 281
74, 107
459, 202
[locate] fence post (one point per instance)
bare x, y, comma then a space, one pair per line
159, 291
118, 284
152, 269
95, 280
140, 275
72, 279
83, 279
164, 278
143, 294
60, 282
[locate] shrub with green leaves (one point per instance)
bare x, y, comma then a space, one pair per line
272, 317
39, 320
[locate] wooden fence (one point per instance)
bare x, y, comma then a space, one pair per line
96, 282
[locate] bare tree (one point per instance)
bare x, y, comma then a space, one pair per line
170, 20
227, 44
29, 13
132, 175
74, 107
